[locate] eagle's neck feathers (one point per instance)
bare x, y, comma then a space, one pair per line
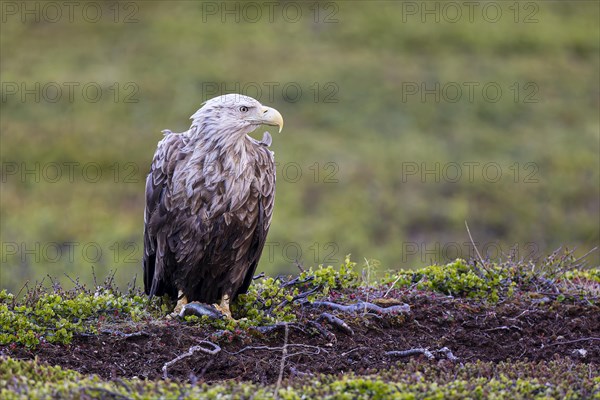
221, 163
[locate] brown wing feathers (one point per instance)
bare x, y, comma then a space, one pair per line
196, 238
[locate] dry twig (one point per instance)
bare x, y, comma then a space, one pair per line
412, 352
475, 247
448, 354
426, 352
392, 286
123, 334
282, 364
574, 341
318, 349
324, 332
301, 374
503, 328
190, 352
297, 280
299, 266
270, 328
362, 306
300, 296
337, 322
261, 275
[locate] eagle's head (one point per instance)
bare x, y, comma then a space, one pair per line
233, 116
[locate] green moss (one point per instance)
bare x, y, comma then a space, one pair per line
271, 300
506, 380
456, 279
496, 281
592, 275
328, 278
56, 317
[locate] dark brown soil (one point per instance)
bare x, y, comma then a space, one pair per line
516, 330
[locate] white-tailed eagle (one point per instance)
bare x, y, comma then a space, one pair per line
209, 203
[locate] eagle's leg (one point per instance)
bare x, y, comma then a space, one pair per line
181, 303
223, 307
215, 311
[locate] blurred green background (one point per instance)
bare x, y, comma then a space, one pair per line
403, 120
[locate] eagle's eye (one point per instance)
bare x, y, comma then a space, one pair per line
244, 109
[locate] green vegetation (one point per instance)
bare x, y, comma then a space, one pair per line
494, 281
358, 191
55, 315
544, 380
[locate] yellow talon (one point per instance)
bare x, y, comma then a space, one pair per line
179, 306
223, 307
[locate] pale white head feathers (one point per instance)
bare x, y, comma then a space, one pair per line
233, 115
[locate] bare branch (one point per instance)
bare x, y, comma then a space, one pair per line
362, 306
190, 352
261, 275
412, 352
94, 276
336, 322
282, 364
270, 328
19, 293
448, 354
503, 328
301, 374
299, 296
297, 280
280, 348
475, 247
574, 341
299, 266
123, 334
326, 334
352, 351
584, 256
426, 352
392, 286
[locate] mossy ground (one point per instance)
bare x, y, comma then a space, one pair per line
474, 380
518, 330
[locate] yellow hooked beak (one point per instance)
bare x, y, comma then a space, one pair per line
271, 116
